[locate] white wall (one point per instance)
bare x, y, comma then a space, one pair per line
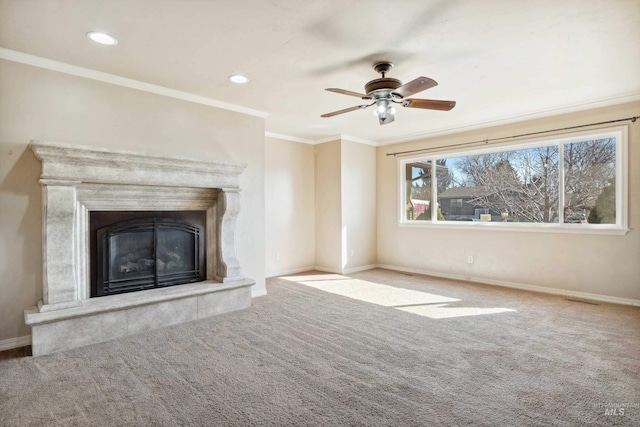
345, 206
328, 206
290, 207
358, 169
41, 104
596, 264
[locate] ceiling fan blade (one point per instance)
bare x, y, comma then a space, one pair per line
346, 110
429, 104
348, 92
415, 86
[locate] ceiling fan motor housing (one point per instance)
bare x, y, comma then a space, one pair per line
383, 83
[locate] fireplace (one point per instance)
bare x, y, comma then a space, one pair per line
133, 242
134, 251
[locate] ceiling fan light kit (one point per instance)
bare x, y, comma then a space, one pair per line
386, 91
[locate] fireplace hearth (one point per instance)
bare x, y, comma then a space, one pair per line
135, 213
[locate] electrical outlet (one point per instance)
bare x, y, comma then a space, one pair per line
352, 252
277, 255
470, 259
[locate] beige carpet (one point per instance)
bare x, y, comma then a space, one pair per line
308, 356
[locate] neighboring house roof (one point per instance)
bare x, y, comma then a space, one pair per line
463, 193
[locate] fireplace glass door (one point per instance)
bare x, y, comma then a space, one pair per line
148, 253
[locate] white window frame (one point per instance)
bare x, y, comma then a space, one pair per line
620, 133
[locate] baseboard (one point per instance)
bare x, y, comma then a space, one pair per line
345, 270
327, 269
323, 269
12, 343
292, 271
255, 293
521, 286
357, 269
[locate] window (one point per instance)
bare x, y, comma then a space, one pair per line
570, 183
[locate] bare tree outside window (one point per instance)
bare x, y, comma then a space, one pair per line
519, 185
589, 176
522, 182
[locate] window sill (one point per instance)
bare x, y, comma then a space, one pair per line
527, 228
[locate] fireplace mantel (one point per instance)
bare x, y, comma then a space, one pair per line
78, 179
99, 165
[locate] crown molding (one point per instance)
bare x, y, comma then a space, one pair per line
358, 140
572, 108
288, 138
322, 140
327, 139
74, 70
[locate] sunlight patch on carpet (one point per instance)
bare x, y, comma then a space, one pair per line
315, 277
376, 293
441, 311
415, 302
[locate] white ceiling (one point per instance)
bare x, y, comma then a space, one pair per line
499, 59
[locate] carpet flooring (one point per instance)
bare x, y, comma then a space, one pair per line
302, 356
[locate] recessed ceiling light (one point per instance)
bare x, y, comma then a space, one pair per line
238, 78
102, 38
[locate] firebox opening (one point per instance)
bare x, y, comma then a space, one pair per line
138, 250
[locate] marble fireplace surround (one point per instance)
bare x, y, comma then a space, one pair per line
76, 180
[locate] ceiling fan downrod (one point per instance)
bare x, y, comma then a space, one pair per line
383, 67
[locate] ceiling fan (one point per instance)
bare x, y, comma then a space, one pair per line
385, 91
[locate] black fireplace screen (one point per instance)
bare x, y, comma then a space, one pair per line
148, 253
